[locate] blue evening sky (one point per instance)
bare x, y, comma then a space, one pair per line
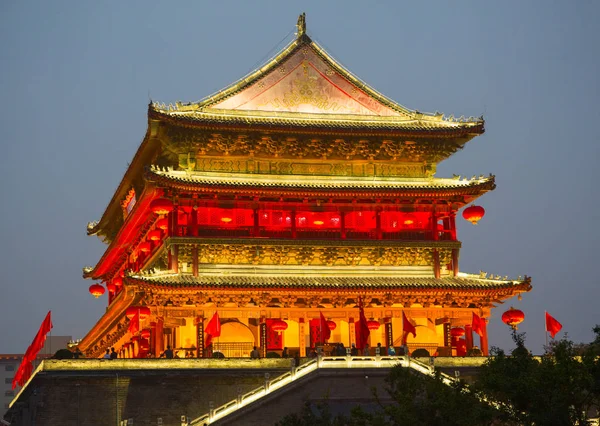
76, 78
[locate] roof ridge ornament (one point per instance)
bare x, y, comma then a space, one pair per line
301, 25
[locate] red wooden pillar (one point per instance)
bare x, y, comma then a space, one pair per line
194, 222
453, 226
159, 338
378, 224
455, 268
469, 336
446, 234
293, 220
436, 263
195, 261
434, 230
256, 227
169, 218
174, 258
484, 338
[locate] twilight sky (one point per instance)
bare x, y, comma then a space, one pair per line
76, 78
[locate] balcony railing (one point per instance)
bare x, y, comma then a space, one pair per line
313, 234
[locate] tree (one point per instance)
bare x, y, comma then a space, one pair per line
559, 388
417, 400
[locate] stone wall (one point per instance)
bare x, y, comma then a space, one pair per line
104, 396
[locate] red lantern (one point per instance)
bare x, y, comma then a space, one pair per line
143, 311
97, 290
162, 224
145, 247
161, 206
373, 325
513, 317
473, 213
332, 325
111, 287
279, 326
457, 332
154, 235
118, 281
145, 333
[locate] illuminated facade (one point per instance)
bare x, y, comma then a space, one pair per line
297, 190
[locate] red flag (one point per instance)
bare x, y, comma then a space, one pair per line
407, 326
324, 329
134, 323
26, 367
213, 329
552, 325
361, 328
477, 324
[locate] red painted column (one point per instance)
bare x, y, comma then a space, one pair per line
159, 337
175, 219
195, 261
455, 268
453, 226
194, 222
256, 229
174, 258
434, 229
484, 338
469, 336
436, 263
343, 225
293, 220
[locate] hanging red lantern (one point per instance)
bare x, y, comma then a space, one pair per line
373, 325
154, 235
513, 317
161, 206
162, 224
279, 326
145, 333
473, 213
143, 311
331, 324
118, 281
111, 287
97, 290
457, 332
145, 247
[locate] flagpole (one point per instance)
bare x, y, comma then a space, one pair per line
546, 327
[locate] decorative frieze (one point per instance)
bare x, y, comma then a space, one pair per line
255, 152
316, 254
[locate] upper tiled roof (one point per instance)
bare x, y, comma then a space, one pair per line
303, 86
